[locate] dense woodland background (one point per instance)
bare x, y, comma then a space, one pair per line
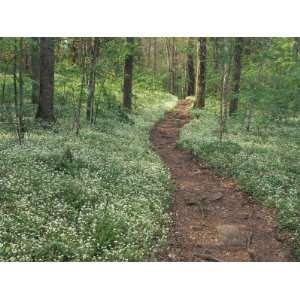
79, 180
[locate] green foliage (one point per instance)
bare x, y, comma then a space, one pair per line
100, 196
264, 161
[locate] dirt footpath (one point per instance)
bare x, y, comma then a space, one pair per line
213, 219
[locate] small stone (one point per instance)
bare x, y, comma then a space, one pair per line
196, 171
172, 256
233, 235
214, 196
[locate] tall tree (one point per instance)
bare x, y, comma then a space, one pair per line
92, 79
155, 56
297, 45
238, 49
21, 84
170, 51
81, 60
190, 69
216, 46
201, 73
18, 82
35, 70
174, 66
149, 46
223, 102
45, 107
128, 73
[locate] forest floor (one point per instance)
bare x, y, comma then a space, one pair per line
213, 220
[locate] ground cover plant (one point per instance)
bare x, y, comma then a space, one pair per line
249, 129
78, 177
76, 186
266, 165
99, 196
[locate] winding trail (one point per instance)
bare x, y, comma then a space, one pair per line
213, 219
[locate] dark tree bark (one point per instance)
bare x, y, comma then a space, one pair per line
18, 93
297, 46
238, 50
190, 69
92, 80
128, 71
201, 74
35, 70
45, 107
21, 84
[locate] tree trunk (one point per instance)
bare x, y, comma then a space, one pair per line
238, 49
216, 53
190, 69
128, 71
173, 69
45, 107
18, 93
297, 46
155, 56
92, 81
21, 88
35, 70
78, 113
223, 106
149, 46
169, 62
201, 74
249, 118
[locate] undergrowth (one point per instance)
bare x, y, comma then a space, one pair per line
265, 161
101, 196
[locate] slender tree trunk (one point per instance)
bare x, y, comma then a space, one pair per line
249, 118
15, 77
82, 61
216, 53
78, 113
35, 70
149, 52
223, 106
3, 87
190, 69
92, 81
169, 62
21, 84
238, 49
173, 68
297, 46
128, 74
16, 102
18, 93
45, 107
155, 56
201, 74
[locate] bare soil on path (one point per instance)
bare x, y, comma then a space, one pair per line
213, 220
